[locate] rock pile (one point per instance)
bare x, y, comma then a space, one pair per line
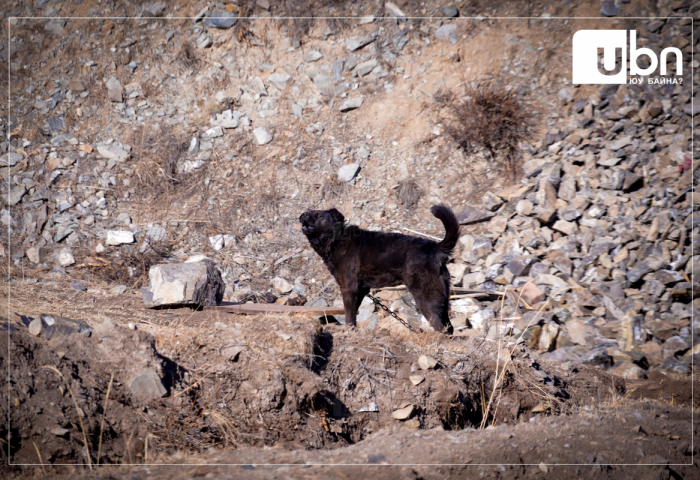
600, 233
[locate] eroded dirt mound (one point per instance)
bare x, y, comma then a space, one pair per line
274, 381
58, 389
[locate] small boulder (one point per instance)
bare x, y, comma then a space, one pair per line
148, 386
193, 284
426, 363
403, 413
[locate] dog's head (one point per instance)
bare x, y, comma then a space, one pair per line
316, 223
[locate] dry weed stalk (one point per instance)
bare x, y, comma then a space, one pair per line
104, 414
40, 459
77, 411
501, 375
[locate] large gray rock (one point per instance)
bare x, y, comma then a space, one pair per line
147, 386
353, 44
351, 104
113, 152
347, 172
56, 26
444, 32
279, 80
221, 20
193, 284
325, 84
10, 159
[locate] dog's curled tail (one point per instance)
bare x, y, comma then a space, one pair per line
448, 219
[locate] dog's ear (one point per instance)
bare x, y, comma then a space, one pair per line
336, 216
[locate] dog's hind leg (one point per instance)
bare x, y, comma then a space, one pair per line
433, 303
433, 311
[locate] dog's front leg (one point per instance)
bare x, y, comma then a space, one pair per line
349, 301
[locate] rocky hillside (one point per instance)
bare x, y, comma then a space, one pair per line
157, 138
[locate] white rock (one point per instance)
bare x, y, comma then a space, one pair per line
282, 285
65, 259
262, 136
35, 327
351, 104
403, 413
426, 363
279, 80
456, 272
119, 237
347, 172
217, 242
196, 258
465, 306
482, 319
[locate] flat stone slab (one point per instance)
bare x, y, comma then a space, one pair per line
351, 104
119, 237
353, 44
256, 308
471, 215
10, 159
113, 152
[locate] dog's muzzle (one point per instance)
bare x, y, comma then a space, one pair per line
307, 226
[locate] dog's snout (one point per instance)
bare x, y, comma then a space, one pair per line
304, 217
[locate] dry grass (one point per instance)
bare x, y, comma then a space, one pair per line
104, 414
489, 116
333, 190
156, 153
129, 265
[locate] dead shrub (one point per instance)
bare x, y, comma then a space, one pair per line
488, 116
299, 19
156, 152
408, 193
333, 189
188, 57
130, 264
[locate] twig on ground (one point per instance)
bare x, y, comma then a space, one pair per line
104, 414
422, 234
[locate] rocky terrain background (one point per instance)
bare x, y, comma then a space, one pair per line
130, 142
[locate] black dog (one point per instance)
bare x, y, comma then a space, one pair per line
360, 259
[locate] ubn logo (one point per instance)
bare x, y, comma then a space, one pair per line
586, 44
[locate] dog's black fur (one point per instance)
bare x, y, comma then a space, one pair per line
360, 259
